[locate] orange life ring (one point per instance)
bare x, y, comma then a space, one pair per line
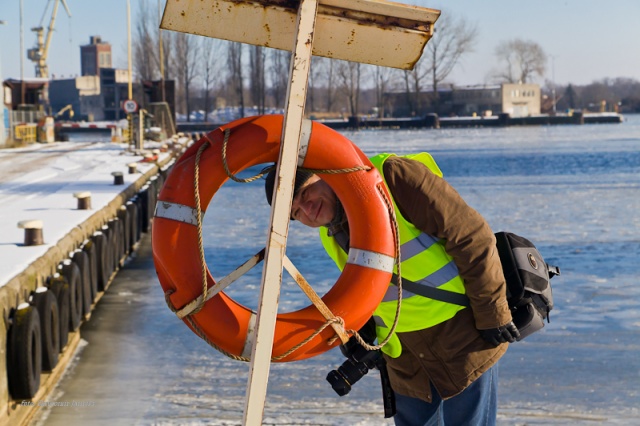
256, 140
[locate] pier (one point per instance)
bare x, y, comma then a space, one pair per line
435, 122
73, 214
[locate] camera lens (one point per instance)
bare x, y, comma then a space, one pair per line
346, 375
338, 383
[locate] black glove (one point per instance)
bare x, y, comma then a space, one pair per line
506, 333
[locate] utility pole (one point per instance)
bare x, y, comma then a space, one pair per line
129, 47
21, 57
553, 80
130, 94
161, 48
2, 129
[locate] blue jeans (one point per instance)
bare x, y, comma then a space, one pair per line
476, 405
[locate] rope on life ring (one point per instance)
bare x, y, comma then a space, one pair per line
197, 298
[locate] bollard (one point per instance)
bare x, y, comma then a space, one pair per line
116, 134
503, 119
133, 168
118, 179
432, 120
32, 232
84, 200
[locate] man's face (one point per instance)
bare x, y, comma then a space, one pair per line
315, 203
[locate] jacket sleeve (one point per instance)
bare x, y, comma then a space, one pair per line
436, 208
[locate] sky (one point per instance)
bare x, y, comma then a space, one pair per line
586, 40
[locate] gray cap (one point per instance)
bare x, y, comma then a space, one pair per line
301, 177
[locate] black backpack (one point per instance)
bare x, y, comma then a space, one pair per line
528, 282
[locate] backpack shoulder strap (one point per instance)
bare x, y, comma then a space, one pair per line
432, 292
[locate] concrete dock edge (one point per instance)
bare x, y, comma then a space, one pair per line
18, 289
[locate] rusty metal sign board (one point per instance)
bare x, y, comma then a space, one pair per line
374, 32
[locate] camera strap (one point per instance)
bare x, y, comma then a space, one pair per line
388, 396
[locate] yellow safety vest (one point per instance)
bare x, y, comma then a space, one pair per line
423, 261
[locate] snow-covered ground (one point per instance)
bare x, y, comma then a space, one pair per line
573, 190
37, 182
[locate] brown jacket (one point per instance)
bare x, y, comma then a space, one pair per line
451, 355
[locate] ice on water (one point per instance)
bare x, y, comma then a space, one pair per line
573, 190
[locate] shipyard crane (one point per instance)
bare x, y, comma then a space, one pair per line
39, 53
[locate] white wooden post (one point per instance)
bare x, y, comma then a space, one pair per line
280, 213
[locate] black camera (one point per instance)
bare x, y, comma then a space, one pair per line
359, 362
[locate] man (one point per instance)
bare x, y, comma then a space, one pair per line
442, 360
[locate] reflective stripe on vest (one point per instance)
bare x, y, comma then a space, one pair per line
424, 262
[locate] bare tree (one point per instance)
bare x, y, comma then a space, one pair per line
521, 61
210, 62
257, 81
315, 77
349, 74
144, 46
236, 79
331, 84
279, 73
452, 38
168, 44
185, 62
327, 74
383, 79
412, 84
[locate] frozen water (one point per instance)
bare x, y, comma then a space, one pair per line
573, 190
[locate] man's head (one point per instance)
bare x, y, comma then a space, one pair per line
314, 202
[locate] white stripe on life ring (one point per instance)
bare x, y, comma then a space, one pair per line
175, 211
369, 259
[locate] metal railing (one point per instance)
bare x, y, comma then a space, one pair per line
162, 117
25, 133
